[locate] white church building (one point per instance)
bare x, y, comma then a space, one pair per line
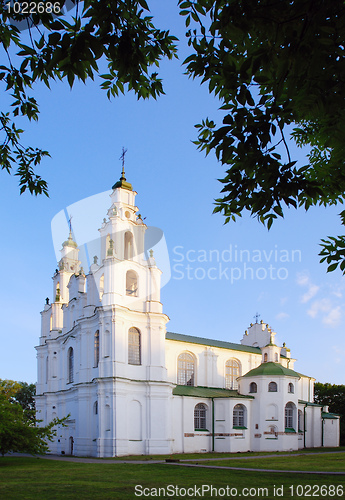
105, 358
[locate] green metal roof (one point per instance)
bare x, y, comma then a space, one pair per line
308, 403
206, 392
305, 376
332, 416
272, 369
212, 343
122, 183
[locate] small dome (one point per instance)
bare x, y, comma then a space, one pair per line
272, 369
70, 242
122, 183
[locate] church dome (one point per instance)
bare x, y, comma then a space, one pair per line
70, 242
122, 183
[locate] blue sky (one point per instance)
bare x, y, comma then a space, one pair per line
176, 186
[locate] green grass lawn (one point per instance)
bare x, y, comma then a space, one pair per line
40, 479
332, 462
185, 456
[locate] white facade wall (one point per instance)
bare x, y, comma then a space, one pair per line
210, 362
331, 432
116, 408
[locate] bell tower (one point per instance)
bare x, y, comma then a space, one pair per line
102, 360
132, 329
127, 274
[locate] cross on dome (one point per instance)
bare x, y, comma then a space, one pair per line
122, 183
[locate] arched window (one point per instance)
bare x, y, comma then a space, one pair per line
253, 387
276, 357
107, 418
71, 445
96, 349
134, 347
128, 253
272, 387
289, 416
107, 244
232, 371
101, 287
239, 416
51, 322
132, 283
95, 408
54, 369
300, 421
291, 388
265, 357
70, 359
47, 368
185, 369
200, 416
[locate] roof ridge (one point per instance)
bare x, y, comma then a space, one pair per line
223, 344
272, 368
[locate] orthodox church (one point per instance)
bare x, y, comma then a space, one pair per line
128, 386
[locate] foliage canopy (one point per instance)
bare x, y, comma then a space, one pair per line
333, 396
19, 431
278, 68
61, 47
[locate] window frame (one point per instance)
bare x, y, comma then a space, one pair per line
232, 372
47, 369
101, 287
300, 421
272, 386
239, 416
96, 349
291, 388
132, 275
128, 246
289, 417
134, 347
70, 365
200, 417
186, 369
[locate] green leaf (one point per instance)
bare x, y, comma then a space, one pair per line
143, 4
332, 267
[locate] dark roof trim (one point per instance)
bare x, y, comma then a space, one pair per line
308, 403
331, 416
207, 392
